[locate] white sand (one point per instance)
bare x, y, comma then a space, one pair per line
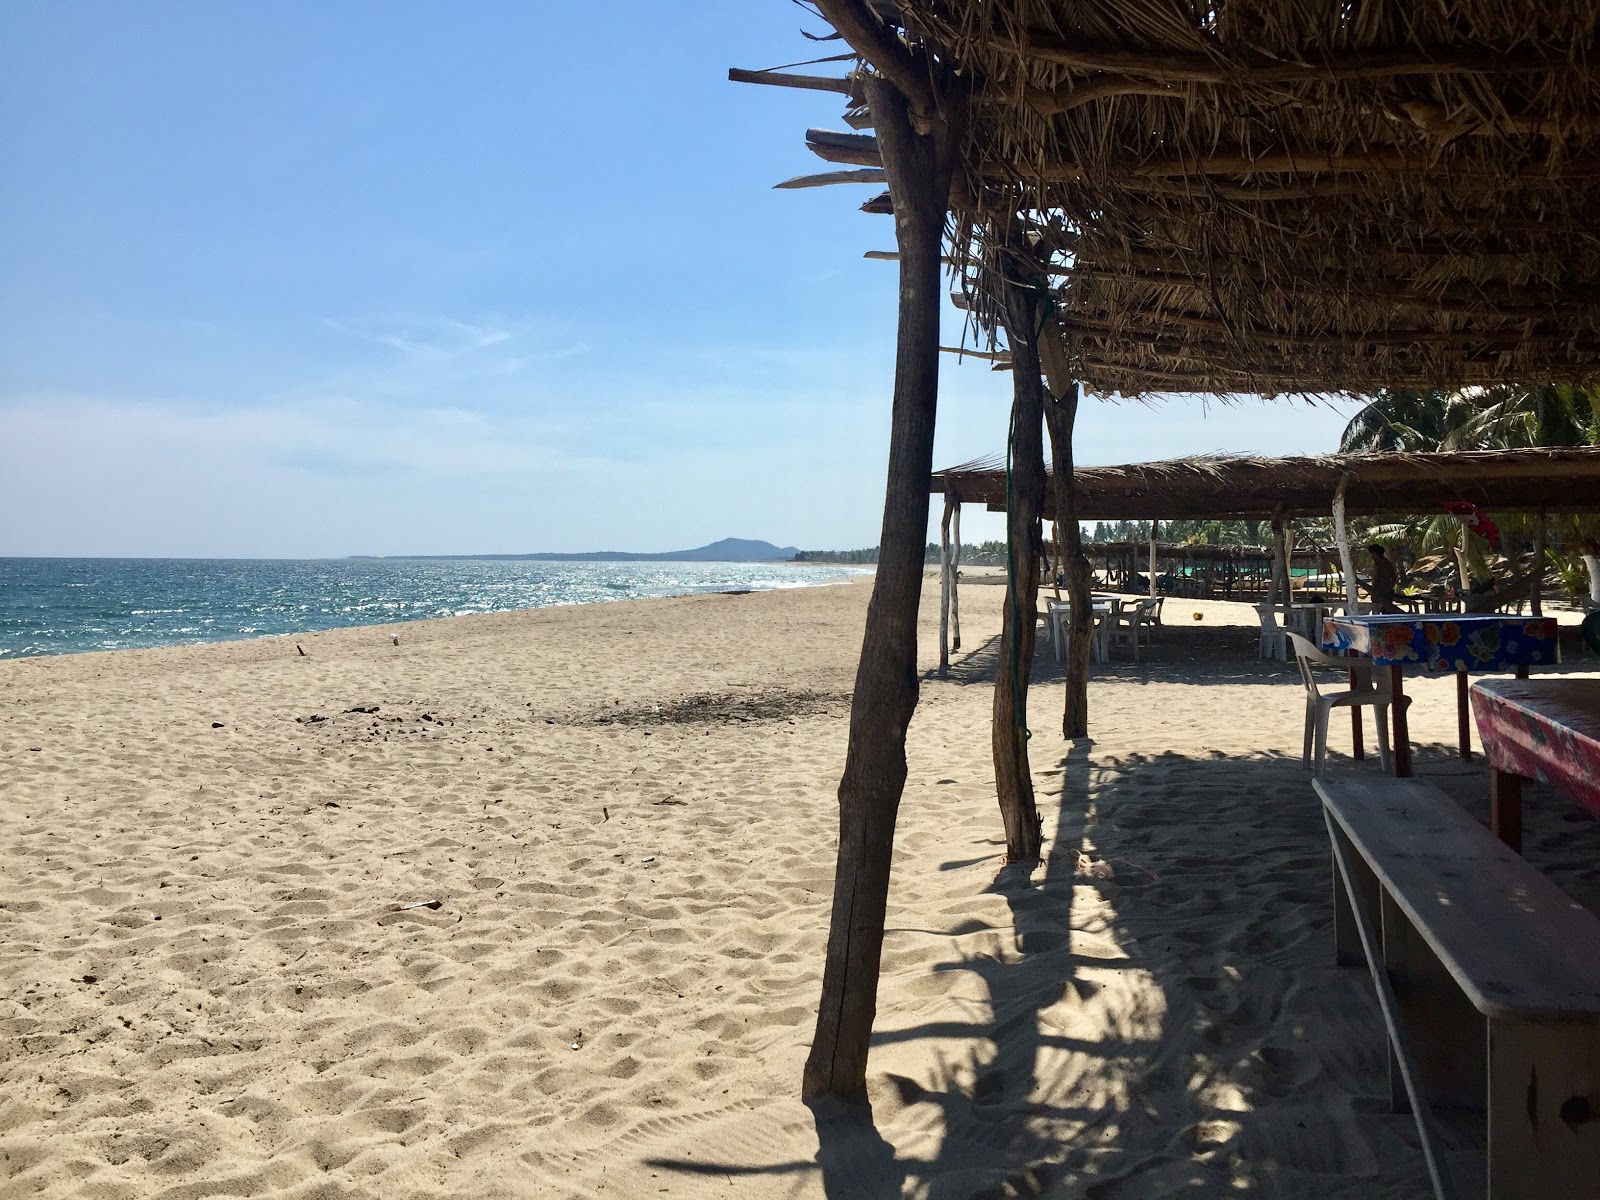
627, 814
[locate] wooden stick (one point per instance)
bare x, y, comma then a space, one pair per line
1060, 413
1536, 596
1154, 525
834, 146
813, 83
955, 574
1019, 619
829, 178
1178, 67
920, 168
944, 588
1402, 725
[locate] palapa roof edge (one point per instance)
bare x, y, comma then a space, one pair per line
1221, 487
1277, 196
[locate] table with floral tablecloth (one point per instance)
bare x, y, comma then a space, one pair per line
1441, 643
1544, 729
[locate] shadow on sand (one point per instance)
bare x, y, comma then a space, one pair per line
1171, 1026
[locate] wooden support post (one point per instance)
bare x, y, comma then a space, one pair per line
944, 588
1154, 525
1449, 1042
1347, 562
1288, 564
1019, 622
1536, 597
1463, 717
955, 576
1060, 413
920, 167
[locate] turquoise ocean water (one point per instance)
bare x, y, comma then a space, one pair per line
62, 605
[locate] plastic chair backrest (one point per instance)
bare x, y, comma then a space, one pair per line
1307, 655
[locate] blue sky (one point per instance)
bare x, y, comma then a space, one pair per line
320, 279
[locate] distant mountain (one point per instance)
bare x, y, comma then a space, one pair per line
727, 550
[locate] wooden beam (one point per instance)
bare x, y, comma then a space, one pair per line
1223, 344
1179, 67
828, 178
894, 256
811, 83
1312, 160
832, 145
1049, 103
1508, 301
1162, 321
987, 355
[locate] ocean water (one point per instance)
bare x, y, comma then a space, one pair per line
63, 605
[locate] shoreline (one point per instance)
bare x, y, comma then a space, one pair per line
841, 573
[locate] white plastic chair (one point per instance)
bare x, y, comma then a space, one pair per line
1272, 634
1133, 624
1060, 614
1372, 688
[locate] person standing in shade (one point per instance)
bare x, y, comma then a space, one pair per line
1385, 580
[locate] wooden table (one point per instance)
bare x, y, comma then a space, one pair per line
1544, 729
1439, 643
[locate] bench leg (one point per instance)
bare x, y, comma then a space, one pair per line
1367, 927
1402, 730
1449, 1049
1544, 1111
1505, 807
1347, 950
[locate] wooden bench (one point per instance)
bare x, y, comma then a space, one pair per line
1489, 980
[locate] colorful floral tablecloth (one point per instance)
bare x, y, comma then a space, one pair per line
1445, 642
1544, 729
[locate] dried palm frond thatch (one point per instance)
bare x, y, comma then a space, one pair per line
1219, 487
1282, 196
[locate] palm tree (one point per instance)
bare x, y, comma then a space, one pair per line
1508, 416
1513, 417
1403, 419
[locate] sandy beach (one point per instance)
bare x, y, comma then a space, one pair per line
533, 904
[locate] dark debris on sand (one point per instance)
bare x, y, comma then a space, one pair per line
726, 708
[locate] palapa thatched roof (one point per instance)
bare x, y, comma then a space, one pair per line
1217, 487
1274, 196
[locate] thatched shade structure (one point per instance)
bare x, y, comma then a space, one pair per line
1271, 196
1138, 196
1216, 487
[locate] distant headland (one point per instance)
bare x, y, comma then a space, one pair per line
727, 550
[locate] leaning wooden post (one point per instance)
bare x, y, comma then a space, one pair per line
1347, 562
1536, 596
955, 575
1060, 411
919, 168
1278, 552
1013, 777
1154, 525
944, 588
